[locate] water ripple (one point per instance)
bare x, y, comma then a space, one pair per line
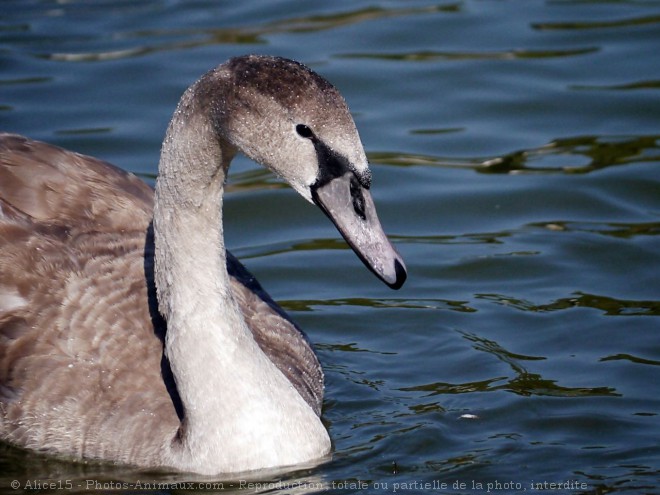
579, 25
592, 153
429, 56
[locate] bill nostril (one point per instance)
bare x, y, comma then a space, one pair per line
358, 198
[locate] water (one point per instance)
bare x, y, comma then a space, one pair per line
515, 150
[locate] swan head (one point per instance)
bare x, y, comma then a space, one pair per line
291, 120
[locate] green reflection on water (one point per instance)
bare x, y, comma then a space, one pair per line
617, 23
431, 56
593, 153
523, 382
610, 306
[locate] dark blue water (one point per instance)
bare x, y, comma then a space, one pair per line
516, 160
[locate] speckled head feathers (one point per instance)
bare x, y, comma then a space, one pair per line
256, 102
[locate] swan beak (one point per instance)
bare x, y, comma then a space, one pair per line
350, 207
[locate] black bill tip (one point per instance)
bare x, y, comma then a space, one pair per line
401, 276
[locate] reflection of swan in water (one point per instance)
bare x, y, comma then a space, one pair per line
238, 387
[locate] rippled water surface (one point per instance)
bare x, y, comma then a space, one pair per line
515, 152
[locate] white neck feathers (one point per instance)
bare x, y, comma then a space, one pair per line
240, 412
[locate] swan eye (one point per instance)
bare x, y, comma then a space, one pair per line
304, 131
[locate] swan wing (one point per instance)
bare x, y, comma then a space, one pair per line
79, 326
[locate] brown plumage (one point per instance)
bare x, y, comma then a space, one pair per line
77, 296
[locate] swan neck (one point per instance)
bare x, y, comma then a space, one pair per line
188, 232
232, 395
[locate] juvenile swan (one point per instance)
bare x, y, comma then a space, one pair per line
127, 332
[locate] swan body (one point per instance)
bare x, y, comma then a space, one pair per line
127, 332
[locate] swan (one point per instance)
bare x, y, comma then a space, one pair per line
127, 332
